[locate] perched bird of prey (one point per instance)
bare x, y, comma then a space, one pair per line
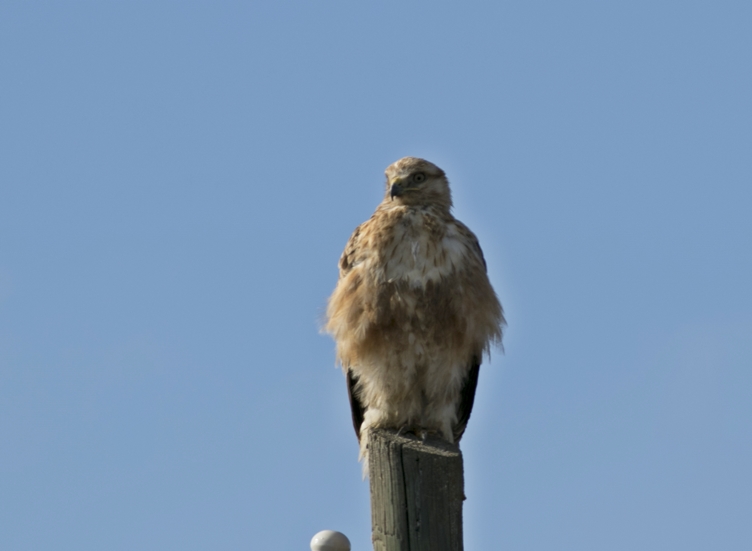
413, 310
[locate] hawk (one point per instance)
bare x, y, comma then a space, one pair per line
413, 311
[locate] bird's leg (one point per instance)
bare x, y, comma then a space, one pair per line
425, 434
403, 430
407, 430
420, 433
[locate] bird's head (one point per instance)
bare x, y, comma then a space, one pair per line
413, 181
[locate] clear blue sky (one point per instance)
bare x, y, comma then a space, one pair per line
178, 179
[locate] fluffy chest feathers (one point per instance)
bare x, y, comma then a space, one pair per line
416, 246
412, 271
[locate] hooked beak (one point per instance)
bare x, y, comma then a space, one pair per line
396, 190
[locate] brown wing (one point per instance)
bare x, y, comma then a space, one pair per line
356, 406
470, 236
467, 397
346, 261
348, 257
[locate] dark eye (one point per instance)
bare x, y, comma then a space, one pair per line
419, 178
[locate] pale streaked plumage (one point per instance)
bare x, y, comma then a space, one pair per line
413, 311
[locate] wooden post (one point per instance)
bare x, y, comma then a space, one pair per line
417, 489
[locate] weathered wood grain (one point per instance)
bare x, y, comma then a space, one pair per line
417, 489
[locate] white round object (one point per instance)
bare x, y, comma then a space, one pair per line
329, 540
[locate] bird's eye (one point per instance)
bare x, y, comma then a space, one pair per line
419, 178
